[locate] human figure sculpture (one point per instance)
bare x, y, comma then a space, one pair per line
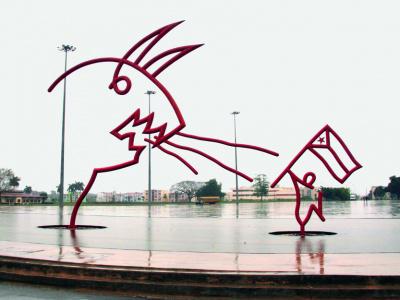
322, 141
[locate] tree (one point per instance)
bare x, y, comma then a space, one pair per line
189, 188
44, 195
261, 186
28, 189
53, 197
8, 181
75, 188
380, 192
336, 193
5, 177
14, 182
394, 186
210, 188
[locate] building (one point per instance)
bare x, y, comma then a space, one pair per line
119, 197
19, 197
247, 193
131, 197
157, 195
105, 197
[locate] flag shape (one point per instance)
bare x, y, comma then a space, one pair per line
331, 150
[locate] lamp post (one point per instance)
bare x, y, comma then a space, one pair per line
237, 187
65, 49
149, 193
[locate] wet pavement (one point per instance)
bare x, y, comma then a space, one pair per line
211, 238
374, 229
209, 235
332, 209
315, 262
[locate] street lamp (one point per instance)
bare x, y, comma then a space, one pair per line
65, 49
149, 193
237, 187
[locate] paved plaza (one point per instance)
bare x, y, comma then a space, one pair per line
366, 243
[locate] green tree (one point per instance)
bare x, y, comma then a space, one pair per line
5, 177
336, 193
210, 188
8, 181
394, 186
380, 192
53, 197
14, 182
28, 189
44, 195
189, 188
261, 186
75, 188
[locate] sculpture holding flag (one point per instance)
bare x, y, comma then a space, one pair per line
319, 145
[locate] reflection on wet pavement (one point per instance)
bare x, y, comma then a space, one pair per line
295, 263
332, 209
200, 234
306, 249
315, 255
211, 238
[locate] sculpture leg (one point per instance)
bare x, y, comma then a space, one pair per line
301, 222
80, 199
302, 229
82, 196
319, 210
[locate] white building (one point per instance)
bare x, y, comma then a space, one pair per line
157, 195
119, 197
247, 193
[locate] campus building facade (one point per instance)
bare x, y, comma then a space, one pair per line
22, 198
247, 193
119, 197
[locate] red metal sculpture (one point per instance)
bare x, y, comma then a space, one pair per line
163, 133
321, 141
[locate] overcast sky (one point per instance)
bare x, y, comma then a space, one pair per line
289, 67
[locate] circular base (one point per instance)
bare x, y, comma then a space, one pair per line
77, 227
306, 233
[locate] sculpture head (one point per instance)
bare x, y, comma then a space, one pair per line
122, 84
